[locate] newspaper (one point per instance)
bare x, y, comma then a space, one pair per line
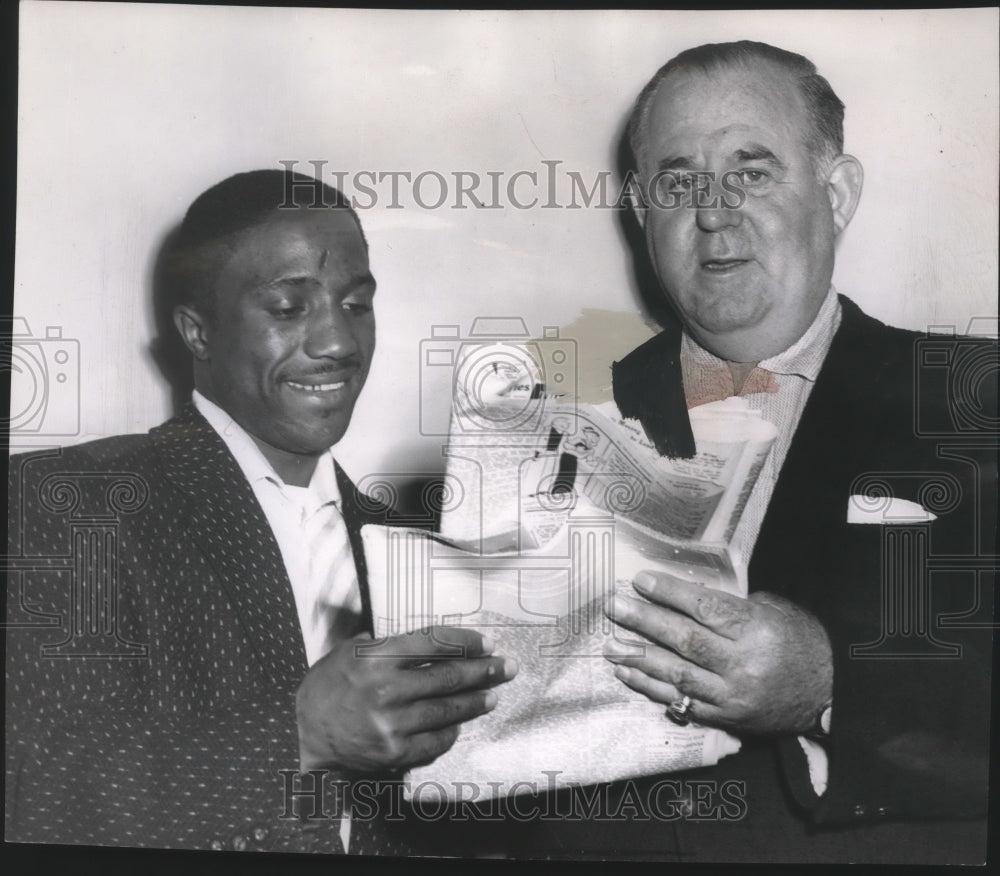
522, 482
561, 505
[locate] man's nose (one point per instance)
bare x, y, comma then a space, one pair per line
330, 333
718, 216
713, 212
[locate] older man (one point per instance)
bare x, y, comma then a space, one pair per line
190, 625
857, 673
887, 704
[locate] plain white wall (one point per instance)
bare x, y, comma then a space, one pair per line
127, 112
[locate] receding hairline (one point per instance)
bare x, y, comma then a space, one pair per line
750, 65
823, 110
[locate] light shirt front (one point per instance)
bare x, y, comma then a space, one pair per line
292, 513
797, 369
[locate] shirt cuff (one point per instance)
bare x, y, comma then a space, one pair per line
345, 828
818, 762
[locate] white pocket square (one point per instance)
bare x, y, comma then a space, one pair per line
886, 510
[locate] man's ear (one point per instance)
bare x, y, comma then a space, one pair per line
633, 193
194, 329
843, 186
640, 209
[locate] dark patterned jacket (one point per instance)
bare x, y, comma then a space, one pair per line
153, 649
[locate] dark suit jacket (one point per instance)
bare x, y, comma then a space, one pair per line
154, 650
908, 610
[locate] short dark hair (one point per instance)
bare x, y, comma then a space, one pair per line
218, 216
824, 140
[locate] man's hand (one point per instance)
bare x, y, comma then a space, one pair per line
390, 705
757, 665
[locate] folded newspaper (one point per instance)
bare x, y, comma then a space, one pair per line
555, 506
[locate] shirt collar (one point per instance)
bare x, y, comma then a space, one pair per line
804, 358
322, 487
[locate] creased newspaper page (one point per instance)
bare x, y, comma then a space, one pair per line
520, 484
565, 719
561, 504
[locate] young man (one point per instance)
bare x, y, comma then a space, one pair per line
201, 629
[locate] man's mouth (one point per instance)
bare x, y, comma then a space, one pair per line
721, 266
318, 385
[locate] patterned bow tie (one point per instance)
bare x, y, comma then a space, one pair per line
714, 384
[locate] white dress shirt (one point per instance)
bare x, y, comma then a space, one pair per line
292, 513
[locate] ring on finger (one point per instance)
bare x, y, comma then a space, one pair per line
680, 711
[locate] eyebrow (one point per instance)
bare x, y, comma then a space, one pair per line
365, 279
756, 152
752, 152
297, 280
676, 162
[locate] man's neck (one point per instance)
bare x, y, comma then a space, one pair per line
740, 371
295, 469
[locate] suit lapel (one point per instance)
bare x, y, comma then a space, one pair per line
838, 437
227, 523
648, 386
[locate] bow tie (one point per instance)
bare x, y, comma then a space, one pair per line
648, 387
716, 383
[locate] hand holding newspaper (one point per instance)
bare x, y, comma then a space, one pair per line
563, 503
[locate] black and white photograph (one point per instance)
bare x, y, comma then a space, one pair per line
538, 435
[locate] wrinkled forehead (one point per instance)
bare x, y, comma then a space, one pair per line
694, 106
302, 230
298, 242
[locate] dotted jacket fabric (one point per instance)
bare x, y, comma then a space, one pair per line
154, 652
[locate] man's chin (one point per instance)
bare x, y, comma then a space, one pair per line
721, 324
320, 441
739, 342
311, 436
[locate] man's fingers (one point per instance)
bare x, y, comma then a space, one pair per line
721, 612
443, 712
670, 669
661, 692
443, 677
657, 690
428, 747
663, 626
428, 644
446, 639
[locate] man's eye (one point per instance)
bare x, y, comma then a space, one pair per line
287, 311
678, 182
751, 178
357, 307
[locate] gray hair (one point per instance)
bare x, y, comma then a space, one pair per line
825, 137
